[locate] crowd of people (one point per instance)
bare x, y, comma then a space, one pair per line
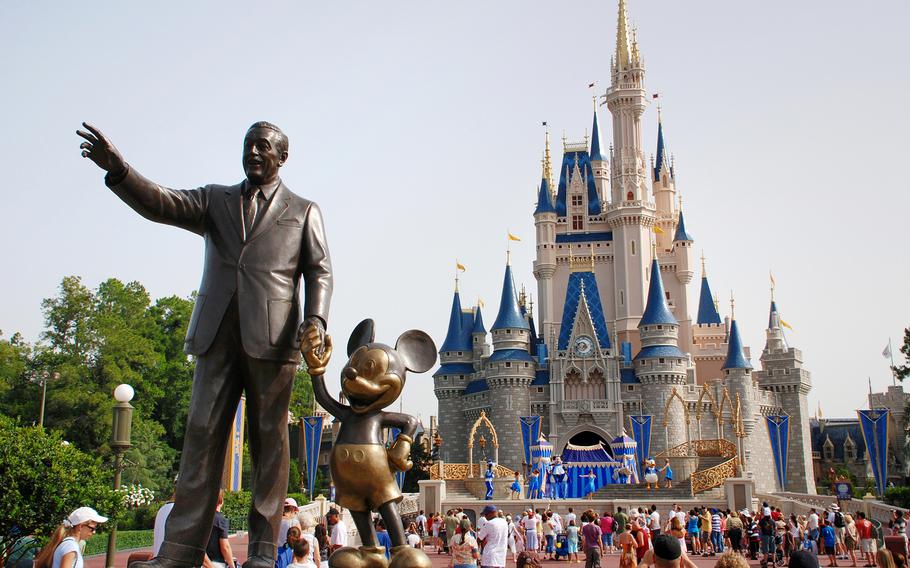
765, 535
638, 536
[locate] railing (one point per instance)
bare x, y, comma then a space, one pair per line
705, 479
701, 448
465, 471
711, 477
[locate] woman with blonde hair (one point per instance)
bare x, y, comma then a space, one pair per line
63, 550
884, 559
851, 537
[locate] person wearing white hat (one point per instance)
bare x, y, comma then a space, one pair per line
288, 519
63, 550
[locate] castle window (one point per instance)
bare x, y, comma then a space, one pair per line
630, 388
622, 298
660, 360
539, 389
577, 222
459, 353
660, 327
508, 365
850, 450
526, 365
667, 294
576, 200
629, 196
828, 450
461, 377
633, 247
770, 372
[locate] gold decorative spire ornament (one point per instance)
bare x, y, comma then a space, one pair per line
623, 55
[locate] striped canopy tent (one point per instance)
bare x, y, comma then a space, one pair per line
541, 453
624, 452
579, 459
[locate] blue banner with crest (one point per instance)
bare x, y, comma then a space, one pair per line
312, 438
779, 433
874, 423
530, 432
641, 432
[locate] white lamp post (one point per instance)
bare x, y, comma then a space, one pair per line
120, 443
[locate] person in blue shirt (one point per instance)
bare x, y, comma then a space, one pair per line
382, 537
488, 476
830, 539
286, 551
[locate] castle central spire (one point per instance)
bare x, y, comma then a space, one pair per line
623, 55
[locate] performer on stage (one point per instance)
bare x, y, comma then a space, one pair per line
488, 477
668, 473
589, 483
551, 487
651, 474
516, 486
534, 484
559, 478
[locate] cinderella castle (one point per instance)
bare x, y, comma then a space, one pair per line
614, 336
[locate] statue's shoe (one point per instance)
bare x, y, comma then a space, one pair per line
363, 557
405, 556
160, 562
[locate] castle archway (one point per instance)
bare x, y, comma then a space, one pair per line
584, 433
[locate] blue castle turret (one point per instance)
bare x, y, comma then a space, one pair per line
707, 311
660, 366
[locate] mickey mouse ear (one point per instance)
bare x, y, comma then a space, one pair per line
417, 350
361, 335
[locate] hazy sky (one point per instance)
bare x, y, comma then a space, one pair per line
416, 127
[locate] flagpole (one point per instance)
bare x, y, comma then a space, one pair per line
893, 374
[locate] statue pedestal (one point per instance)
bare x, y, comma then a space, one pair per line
432, 494
739, 492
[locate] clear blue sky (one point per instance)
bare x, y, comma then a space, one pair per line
416, 126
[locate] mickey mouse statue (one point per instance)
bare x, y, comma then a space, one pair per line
362, 468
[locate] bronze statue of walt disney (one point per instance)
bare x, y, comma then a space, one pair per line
362, 467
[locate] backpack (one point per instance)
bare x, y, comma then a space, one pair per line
527, 559
839, 520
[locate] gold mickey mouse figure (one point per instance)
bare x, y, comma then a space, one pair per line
362, 468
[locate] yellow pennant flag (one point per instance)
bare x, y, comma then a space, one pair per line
460, 266
785, 324
513, 237
658, 230
771, 276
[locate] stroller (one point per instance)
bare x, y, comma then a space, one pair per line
562, 546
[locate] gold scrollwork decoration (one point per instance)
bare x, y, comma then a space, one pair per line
463, 471
482, 419
685, 407
712, 477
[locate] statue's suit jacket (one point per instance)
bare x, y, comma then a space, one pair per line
287, 242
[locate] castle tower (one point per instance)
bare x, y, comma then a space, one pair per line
631, 213
738, 378
545, 263
599, 164
682, 254
709, 334
661, 368
663, 187
509, 372
480, 347
453, 375
782, 372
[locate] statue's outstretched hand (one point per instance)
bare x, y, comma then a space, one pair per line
315, 353
100, 150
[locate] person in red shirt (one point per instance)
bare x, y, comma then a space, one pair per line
866, 540
606, 528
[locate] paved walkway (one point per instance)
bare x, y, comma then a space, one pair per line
239, 546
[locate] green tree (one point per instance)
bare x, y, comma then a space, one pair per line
903, 371
422, 460
44, 479
301, 396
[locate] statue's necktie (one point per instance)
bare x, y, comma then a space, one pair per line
250, 208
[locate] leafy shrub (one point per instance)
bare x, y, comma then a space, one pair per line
898, 496
44, 479
126, 540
